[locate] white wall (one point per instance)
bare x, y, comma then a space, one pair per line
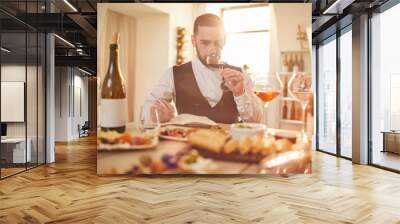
12, 73
152, 30
67, 84
179, 14
34, 125
61, 103
80, 84
82, 81
285, 18
152, 50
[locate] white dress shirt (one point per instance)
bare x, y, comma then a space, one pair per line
249, 106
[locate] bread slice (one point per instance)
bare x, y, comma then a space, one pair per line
208, 139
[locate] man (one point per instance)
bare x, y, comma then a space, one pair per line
195, 89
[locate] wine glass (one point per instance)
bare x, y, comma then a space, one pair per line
265, 90
149, 123
282, 82
214, 62
300, 88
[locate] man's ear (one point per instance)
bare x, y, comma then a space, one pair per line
193, 41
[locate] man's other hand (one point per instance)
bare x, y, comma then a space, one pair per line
165, 111
234, 81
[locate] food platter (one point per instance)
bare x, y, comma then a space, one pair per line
179, 139
249, 149
113, 141
125, 146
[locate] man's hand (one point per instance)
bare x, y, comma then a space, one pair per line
234, 81
165, 111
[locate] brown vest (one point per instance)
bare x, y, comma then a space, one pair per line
189, 99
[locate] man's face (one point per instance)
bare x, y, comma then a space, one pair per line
208, 40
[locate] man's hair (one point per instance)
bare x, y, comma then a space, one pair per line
207, 19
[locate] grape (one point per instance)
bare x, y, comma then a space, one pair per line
169, 160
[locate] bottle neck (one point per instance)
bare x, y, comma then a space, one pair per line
114, 55
114, 68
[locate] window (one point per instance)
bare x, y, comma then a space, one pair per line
346, 94
385, 88
335, 108
327, 96
247, 31
22, 65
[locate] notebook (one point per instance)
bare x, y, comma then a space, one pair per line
191, 120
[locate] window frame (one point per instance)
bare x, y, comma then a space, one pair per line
334, 37
371, 14
25, 30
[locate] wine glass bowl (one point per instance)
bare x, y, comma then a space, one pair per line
214, 60
265, 91
267, 95
300, 88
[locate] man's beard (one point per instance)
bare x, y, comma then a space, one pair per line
202, 60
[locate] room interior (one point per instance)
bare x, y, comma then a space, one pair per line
54, 54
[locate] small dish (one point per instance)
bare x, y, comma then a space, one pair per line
176, 133
240, 130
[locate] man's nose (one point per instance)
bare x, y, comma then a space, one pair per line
214, 49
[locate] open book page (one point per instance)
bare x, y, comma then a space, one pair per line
191, 120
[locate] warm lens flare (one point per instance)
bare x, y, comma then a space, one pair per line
284, 158
294, 161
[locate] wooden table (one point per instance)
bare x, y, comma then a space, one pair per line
122, 162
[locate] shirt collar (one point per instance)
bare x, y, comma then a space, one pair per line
199, 64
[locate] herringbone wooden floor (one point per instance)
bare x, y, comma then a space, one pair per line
69, 191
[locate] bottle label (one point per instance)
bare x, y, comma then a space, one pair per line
113, 112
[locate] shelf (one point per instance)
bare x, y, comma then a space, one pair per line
298, 51
289, 99
291, 121
290, 73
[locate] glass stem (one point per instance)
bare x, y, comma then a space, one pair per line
266, 104
304, 115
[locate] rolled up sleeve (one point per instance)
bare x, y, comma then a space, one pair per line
163, 90
249, 106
